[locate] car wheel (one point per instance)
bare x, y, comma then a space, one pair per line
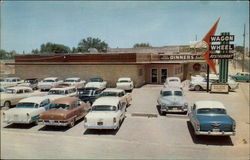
197, 88
6, 105
72, 123
162, 113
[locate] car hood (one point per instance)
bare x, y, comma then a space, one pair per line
223, 119
54, 114
172, 99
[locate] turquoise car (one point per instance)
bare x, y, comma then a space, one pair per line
243, 76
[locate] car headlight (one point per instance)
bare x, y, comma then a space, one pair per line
114, 119
197, 126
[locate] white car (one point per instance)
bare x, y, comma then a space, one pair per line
12, 95
114, 92
10, 82
66, 91
96, 83
48, 83
125, 83
201, 84
173, 82
75, 81
106, 113
27, 110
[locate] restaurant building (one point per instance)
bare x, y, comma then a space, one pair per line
143, 68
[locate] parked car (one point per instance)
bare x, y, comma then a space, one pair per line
64, 112
12, 95
114, 92
48, 83
88, 94
67, 91
243, 76
172, 100
125, 83
97, 83
173, 82
2, 90
30, 82
10, 82
27, 110
106, 113
75, 82
210, 118
201, 84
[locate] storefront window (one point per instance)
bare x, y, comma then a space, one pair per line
154, 76
164, 75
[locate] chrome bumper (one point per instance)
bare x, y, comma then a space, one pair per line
53, 123
19, 122
209, 133
176, 110
100, 127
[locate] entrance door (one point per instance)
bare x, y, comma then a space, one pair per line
164, 75
154, 75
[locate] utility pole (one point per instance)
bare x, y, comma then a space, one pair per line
243, 58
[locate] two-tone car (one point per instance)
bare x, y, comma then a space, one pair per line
27, 110
10, 82
96, 83
173, 82
172, 100
48, 83
30, 82
106, 113
114, 92
66, 91
125, 83
89, 94
64, 112
211, 118
75, 82
242, 76
11, 96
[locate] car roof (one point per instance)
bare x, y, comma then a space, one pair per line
124, 78
113, 101
62, 88
209, 104
72, 78
88, 88
171, 89
65, 100
34, 99
113, 90
51, 78
244, 72
20, 87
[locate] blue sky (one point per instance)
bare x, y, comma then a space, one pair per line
26, 25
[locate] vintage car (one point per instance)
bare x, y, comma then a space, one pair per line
106, 113
27, 110
30, 82
173, 82
97, 83
75, 81
210, 118
48, 83
67, 91
125, 83
88, 94
13, 95
10, 82
114, 92
201, 84
172, 100
64, 112
2, 90
243, 76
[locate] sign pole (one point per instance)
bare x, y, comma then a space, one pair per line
207, 78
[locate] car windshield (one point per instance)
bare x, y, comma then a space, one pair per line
59, 106
112, 94
27, 105
211, 111
10, 91
8, 80
48, 80
95, 80
124, 81
69, 80
167, 93
178, 93
103, 108
56, 92
173, 80
85, 92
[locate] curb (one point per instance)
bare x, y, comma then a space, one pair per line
149, 115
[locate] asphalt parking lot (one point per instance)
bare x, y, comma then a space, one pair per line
165, 137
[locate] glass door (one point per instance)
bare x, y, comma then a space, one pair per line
164, 75
154, 75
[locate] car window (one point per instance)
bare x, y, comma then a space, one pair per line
67, 92
121, 94
178, 93
45, 102
14, 80
211, 111
27, 91
112, 94
56, 92
20, 91
27, 105
167, 93
103, 108
10, 91
59, 106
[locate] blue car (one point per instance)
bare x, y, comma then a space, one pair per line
210, 118
243, 76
